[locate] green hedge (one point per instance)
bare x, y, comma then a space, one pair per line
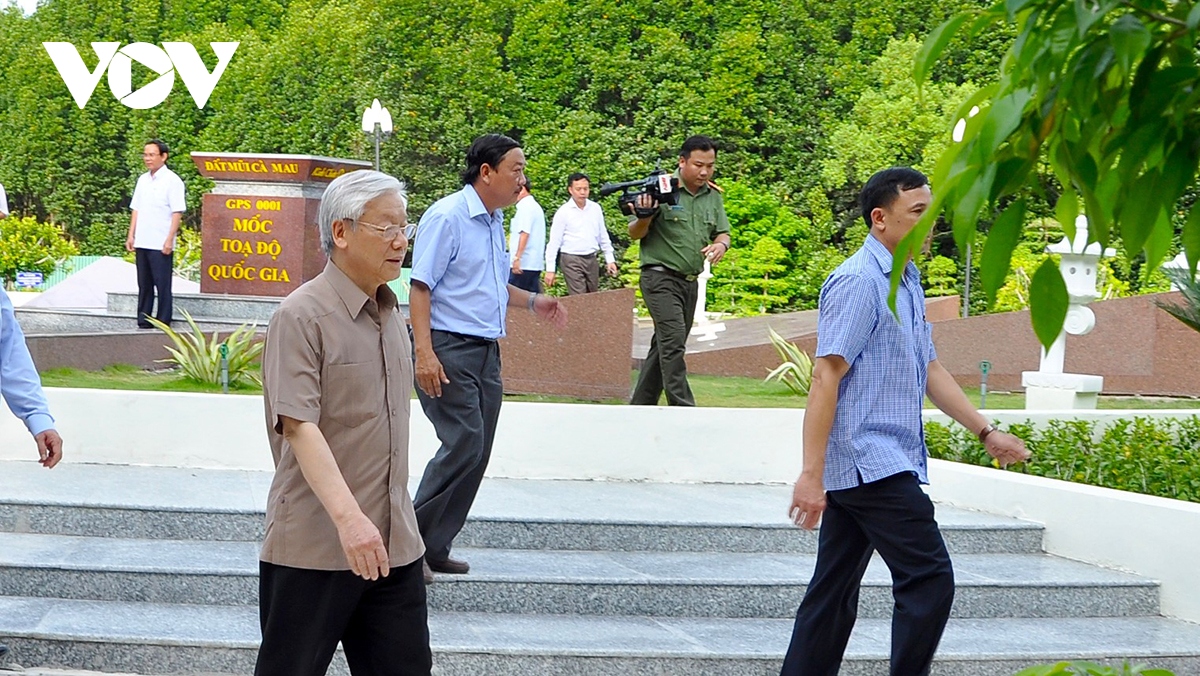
1154, 456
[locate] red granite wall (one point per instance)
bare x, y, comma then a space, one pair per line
94, 351
756, 361
589, 359
1138, 348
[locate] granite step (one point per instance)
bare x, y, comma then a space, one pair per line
965, 532
164, 638
49, 321
232, 307
684, 584
177, 503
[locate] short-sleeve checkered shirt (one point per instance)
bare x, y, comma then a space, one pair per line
877, 430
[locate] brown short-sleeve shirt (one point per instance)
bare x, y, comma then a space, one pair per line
341, 359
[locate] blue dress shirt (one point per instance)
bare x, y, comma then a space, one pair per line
877, 429
459, 254
19, 382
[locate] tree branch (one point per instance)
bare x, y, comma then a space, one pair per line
1161, 18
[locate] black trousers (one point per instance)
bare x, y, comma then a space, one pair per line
154, 270
894, 517
529, 280
464, 418
382, 625
581, 272
672, 304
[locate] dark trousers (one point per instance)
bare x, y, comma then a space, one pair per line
529, 280
672, 304
154, 270
464, 418
382, 625
894, 517
581, 272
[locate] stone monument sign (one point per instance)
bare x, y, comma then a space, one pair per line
259, 229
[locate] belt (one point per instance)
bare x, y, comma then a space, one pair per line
674, 273
478, 340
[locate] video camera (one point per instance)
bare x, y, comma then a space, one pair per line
660, 185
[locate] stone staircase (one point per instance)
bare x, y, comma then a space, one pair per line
153, 571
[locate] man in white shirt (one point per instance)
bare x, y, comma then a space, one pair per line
3, 203
577, 233
527, 242
158, 206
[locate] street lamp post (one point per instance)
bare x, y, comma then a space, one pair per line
960, 130
377, 122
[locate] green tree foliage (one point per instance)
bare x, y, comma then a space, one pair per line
806, 100
779, 259
941, 276
1106, 93
755, 280
29, 246
891, 124
592, 85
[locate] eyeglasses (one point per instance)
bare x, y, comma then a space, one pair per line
391, 232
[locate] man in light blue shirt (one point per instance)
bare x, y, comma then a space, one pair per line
864, 447
458, 304
527, 242
22, 388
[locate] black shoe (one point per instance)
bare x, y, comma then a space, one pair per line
451, 566
3, 650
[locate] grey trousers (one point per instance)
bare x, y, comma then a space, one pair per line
464, 418
672, 305
581, 272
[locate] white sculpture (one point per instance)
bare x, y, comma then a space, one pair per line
1049, 387
1178, 263
704, 329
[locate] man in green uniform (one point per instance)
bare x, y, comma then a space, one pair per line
675, 241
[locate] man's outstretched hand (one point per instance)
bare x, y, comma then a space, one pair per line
49, 446
551, 309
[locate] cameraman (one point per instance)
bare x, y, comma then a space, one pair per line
675, 241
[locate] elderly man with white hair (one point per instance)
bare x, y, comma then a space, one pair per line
342, 556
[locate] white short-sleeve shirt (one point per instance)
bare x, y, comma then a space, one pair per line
155, 199
3, 202
529, 218
579, 232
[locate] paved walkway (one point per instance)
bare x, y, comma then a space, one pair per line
739, 332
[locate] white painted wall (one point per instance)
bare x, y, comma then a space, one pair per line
1153, 537
543, 441
20, 298
538, 441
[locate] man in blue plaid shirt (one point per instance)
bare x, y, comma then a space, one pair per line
864, 447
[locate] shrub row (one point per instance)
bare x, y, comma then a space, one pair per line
1153, 456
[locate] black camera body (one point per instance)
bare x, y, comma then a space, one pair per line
660, 185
